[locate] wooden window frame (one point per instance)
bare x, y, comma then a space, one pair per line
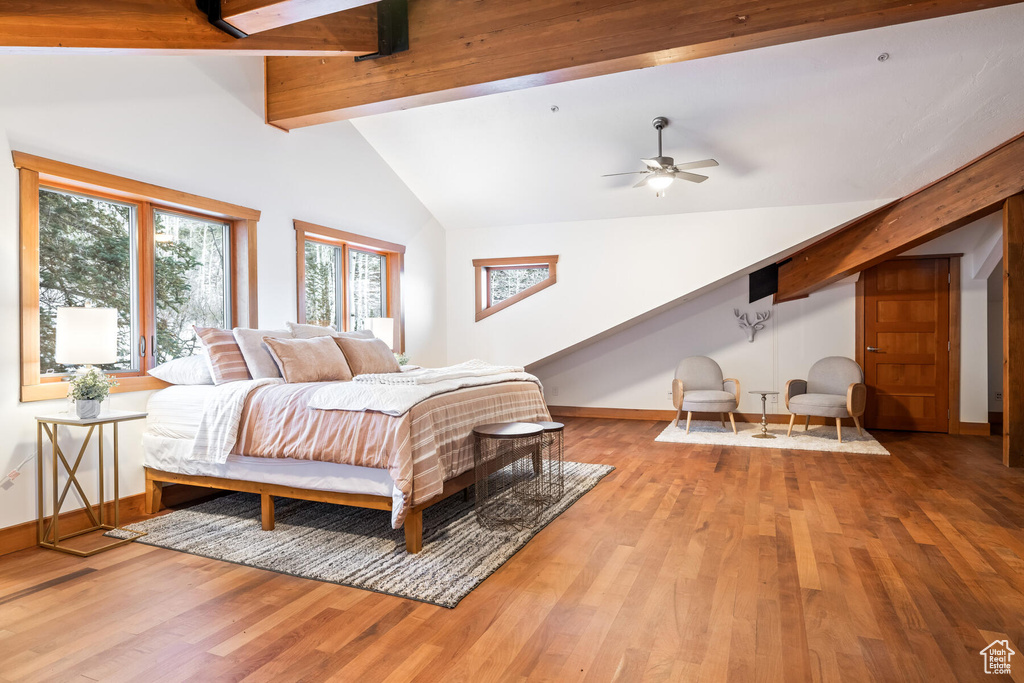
35, 172
393, 253
483, 266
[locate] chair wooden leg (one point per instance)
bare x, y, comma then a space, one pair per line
733, 421
722, 417
688, 416
414, 531
807, 424
839, 428
792, 421
679, 417
856, 421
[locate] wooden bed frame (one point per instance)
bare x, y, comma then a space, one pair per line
156, 479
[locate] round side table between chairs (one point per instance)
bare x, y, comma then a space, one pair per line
764, 414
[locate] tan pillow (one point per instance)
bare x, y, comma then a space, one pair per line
226, 361
309, 360
366, 356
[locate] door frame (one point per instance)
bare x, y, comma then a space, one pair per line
954, 329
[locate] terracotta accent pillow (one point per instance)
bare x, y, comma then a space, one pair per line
309, 360
226, 361
368, 356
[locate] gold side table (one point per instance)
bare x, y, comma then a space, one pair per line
49, 535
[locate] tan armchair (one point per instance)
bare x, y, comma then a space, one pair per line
834, 388
700, 388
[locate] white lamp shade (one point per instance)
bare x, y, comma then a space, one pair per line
384, 329
86, 336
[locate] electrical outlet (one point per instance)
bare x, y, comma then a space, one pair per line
554, 392
999, 396
669, 392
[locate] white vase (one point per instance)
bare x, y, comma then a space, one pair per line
87, 409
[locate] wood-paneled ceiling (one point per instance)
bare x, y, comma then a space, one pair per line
457, 48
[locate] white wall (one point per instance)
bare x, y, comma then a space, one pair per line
196, 124
634, 368
612, 271
995, 339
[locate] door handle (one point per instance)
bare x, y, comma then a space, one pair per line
874, 349
142, 346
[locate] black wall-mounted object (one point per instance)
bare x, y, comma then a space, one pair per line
764, 282
211, 8
392, 29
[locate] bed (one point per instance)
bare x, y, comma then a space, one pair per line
283, 447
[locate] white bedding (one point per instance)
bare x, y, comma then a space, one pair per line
172, 455
176, 411
397, 400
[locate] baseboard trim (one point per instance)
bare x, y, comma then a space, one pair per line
132, 508
975, 429
669, 415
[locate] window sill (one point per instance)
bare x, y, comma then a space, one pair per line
56, 390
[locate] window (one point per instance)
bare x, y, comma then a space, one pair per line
191, 281
345, 279
502, 282
87, 249
165, 260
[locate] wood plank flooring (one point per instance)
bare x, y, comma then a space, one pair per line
686, 563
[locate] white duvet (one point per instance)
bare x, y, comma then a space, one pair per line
398, 399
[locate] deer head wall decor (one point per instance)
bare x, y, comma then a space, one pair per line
751, 328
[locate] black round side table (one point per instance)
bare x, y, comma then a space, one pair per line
508, 461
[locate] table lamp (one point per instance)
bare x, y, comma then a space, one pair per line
383, 329
86, 336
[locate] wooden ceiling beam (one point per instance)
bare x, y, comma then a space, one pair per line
172, 27
257, 16
965, 195
466, 48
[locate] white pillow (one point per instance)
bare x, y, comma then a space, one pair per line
300, 331
256, 354
189, 370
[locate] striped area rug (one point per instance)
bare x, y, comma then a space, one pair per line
355, 546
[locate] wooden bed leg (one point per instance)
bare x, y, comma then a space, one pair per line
414, 531
267, 511
154, 495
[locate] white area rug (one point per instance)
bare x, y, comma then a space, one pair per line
820, 438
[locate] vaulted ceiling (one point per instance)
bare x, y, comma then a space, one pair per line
813, 122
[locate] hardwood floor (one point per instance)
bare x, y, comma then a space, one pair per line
686, 563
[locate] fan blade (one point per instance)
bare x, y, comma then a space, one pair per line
609, 175
692, 177
652, 163
706, 163
643, 181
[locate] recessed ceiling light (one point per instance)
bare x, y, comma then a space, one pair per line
883, 57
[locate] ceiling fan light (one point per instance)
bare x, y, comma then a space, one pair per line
660, 181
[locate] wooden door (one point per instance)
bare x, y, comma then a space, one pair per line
907, 345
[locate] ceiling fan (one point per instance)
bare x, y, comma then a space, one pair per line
662, 171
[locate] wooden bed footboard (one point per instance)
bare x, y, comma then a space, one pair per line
156, 479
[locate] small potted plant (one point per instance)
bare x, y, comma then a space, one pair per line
89, 389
